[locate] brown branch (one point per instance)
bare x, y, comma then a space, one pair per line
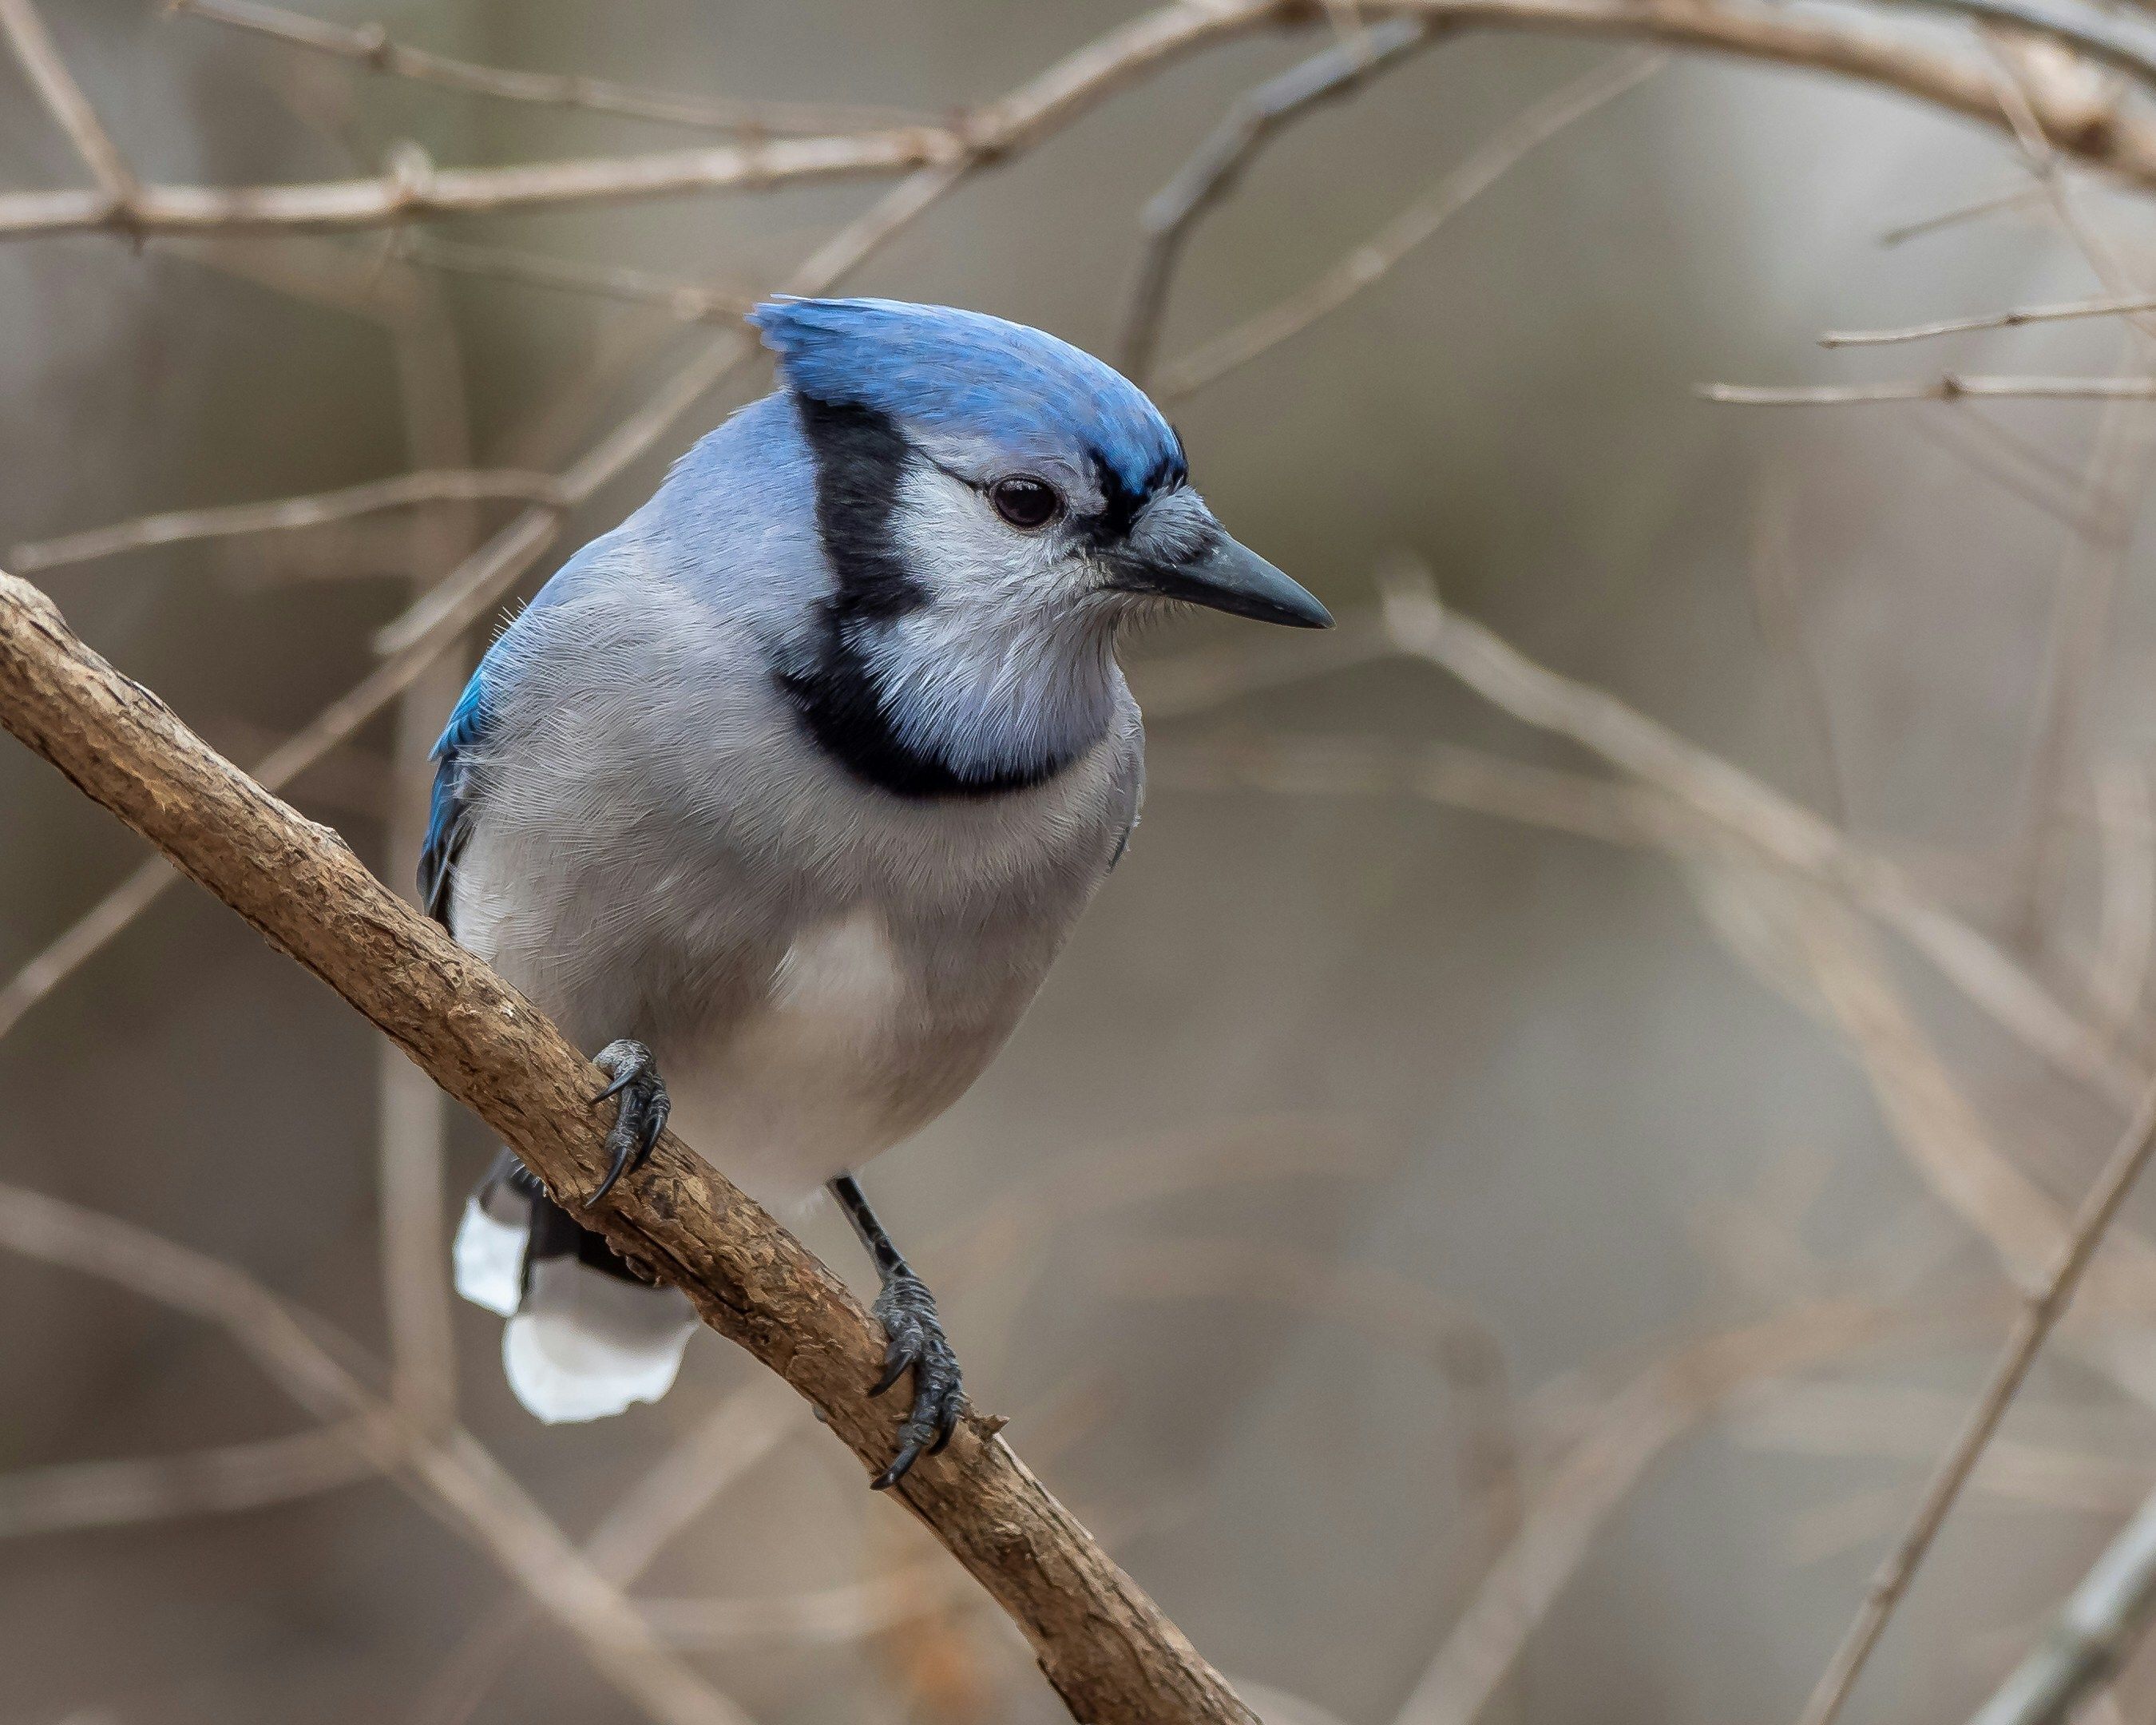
1059, 94
69, 107
692, 302
672, 1493
1791, 836
1102, 1644
1948, 386
371, 46
1258, 116
2092, 1637
449, 1472
2114, 141
284, 514
210, 1481
1601, 1472
1376, 258
2013, 319
2044, 1306
1991, 204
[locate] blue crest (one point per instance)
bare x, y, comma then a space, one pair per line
963, 371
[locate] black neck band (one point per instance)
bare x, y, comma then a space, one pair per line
860, 458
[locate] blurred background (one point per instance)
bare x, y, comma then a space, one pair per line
1484, 1221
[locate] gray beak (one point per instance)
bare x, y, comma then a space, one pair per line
1226, 576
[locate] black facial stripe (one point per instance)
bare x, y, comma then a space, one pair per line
1121, 504
860, 461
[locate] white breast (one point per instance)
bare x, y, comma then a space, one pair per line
839, 979
811, 1083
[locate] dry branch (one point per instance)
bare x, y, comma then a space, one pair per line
2043, 1310
1370, 262
2115, 305
692, 302
449, 1472
1172, 214
1948, 386
2117, 142
2091, 1638
372, 46
1102, 1644
278, 515
69, 107
246, 1475
677, 1489
2013, 197
1596, 1477
1787, 833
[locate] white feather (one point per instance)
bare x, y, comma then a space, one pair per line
488, 1259
588, 1344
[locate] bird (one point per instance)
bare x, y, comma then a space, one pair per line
784, 794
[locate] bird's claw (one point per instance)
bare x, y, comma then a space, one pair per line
642, 1115
916, 1343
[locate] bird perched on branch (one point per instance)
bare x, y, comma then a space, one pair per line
792, 786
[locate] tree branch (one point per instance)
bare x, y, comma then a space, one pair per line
1103, 1644
1369, 262
64, 99
282, 513
2044, 1306
372, 47
2090, 1638
1256, 116
2100, 135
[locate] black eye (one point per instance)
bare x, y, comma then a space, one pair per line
1025, 502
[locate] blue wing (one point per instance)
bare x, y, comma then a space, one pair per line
448, 819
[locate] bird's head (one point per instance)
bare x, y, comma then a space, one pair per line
986, 469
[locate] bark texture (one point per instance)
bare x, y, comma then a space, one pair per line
1106, 1647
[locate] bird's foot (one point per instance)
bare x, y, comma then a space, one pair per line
642, 1115
916, 1343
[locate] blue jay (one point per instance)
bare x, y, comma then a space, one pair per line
794, 784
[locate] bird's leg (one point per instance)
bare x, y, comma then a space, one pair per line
642, 1115
915, 1341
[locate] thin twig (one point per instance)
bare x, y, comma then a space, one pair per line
2092, 569
69, 107
692, 302
452, 1472
2045, 1307
1256, 116
210, 1481
2062, 312
2090, 1639
417, 191
372, 46
1792, 836
2126, 917
1102, 1644
1376, 256
412, 1125
1948, 386
668, 1497
831, 1616
1854, 50
1973, 436
2013, 197
281, 515
1595, 1477
2114, 40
